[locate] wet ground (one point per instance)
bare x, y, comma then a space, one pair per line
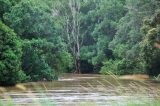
82, 90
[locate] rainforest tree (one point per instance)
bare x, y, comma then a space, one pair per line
43, 48
151, 43
48, 37
10, 57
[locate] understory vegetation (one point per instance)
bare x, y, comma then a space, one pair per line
40, 39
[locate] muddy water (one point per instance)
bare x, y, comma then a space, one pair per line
82, 90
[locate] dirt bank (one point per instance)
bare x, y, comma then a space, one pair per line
135, 77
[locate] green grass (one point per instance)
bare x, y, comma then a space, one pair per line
152, 103
157, 78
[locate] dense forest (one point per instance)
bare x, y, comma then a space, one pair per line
40, 39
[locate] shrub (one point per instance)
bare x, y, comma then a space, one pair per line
111, 66
120, 67
34, 62
43, 59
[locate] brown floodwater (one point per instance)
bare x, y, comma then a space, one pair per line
82, 90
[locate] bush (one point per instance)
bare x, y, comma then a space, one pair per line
10, 57
43, 59
34, 62
61, 61
121, 67
111, 66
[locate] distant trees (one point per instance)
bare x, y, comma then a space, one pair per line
117, 36
93, 29
99, 24
126, 44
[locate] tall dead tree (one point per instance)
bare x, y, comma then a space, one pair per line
74, 35
70, 10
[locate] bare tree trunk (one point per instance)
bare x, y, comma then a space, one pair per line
72, 30
75, 7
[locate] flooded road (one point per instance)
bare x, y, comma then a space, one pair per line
82, 90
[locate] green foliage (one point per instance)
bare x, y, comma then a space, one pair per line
34, 63
10, 57
117, 36
150, 44
31, 19
63, 61
44, 51
111, 66
42, 60
4, 7
99, 25
126, 43
120, 67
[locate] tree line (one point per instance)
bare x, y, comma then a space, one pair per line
40, 39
